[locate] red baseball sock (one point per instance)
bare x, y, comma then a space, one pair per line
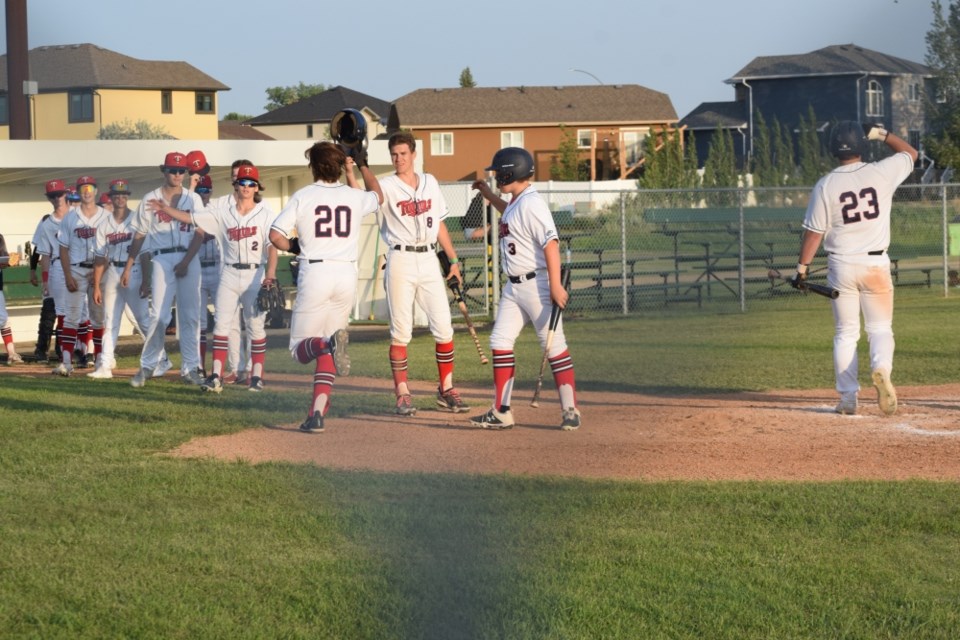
258, 354
323, 377
504, 367
97, 341
444, 354
310, 349
562, 367
398, 366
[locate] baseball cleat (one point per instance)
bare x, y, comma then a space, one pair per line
405, 405
313, 424
230, 378
101, 373
162, 367
571, 419
83, 361
212, 383
41, 357
494, 419
256, 383
847, 406
14, 358
886, 394
449, 400
140, 378
63, 370
242, 377
191, 377
338, 348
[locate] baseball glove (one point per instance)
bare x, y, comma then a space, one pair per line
271, 298
12, 260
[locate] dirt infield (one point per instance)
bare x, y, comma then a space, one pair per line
784, 435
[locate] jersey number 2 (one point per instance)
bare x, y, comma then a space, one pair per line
851, 205
332, 222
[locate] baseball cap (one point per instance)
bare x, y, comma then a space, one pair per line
197, 163
119, 187
72, 195
55, 186
82, 180
205, 185
174, 160
104, 198
249, 172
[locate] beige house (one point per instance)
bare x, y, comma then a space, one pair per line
309, 118
462, 128
81, 88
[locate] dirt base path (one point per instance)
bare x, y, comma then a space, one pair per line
788, 435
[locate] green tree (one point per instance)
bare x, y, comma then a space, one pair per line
566, 166
282, 96
669, 164
129, 130
761, 158
720, 168
784, 164
240, 117
943, 56
813, 162
466, 79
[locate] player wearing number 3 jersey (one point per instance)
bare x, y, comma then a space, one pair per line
849, 211
325, 217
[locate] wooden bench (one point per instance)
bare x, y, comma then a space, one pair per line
896, 271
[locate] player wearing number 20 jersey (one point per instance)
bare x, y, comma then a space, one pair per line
325, 217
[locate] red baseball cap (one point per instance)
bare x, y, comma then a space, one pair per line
249, 172
174, 160
55, 186
197, 163
104, 198
82, 180
119, 187
205, 183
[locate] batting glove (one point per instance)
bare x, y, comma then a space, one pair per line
799, 277
874, 132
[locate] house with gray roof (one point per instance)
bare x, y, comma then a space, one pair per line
309, 118
462, 128
839, 82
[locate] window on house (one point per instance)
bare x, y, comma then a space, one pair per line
874, 99
4, 111
166, 102
81, 106
584, 138
205, 102
913, 92
310, 131
632, 148
441, 144
511, 139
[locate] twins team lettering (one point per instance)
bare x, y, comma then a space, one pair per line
119, 237
414, 207
240, 233
85, 233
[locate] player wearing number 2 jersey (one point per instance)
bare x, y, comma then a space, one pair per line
325, 217
849, 211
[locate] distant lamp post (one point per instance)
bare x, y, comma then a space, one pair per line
599, 81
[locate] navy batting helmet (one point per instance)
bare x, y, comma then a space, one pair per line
847, 140
511, 164
349, 128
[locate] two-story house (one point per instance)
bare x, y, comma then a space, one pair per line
462, 128
81, 88
840, 82
309, 118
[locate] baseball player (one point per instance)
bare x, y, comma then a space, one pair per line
325, 217
114, 236
5, 331
530, 254
849, 211
175, 271
44, 240
412, 226
242, 228
77, 238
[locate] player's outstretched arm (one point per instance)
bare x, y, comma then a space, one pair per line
498, 203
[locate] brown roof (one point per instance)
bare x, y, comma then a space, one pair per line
235, 130
75, 66
479, 106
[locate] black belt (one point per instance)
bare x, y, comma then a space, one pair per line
157, 252
420, 248
876, 253
118, 263
85, 265
208, 263
314, 261
241, 265
523, 278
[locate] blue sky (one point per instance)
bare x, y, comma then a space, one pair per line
684, 48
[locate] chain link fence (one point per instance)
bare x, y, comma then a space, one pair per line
711, 250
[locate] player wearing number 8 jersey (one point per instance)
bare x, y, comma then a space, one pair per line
849, 211
325, 217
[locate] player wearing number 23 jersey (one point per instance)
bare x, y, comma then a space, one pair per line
325, 218
849, 211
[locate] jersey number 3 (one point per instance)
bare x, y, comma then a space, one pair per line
852, 204
332, 222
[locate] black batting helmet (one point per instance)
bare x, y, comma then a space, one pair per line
847, 140
511, 164
349, 128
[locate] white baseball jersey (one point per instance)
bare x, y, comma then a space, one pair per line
163, 231
326, 217
45, 238
526, 227
244, 239
411, 216
209, 251
79, 234
851, 205
114, 238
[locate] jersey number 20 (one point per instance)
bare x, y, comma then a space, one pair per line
851, 205
332, 222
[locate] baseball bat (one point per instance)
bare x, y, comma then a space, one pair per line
555, 313
819, 289
458, 296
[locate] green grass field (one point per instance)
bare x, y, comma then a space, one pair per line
102, 536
